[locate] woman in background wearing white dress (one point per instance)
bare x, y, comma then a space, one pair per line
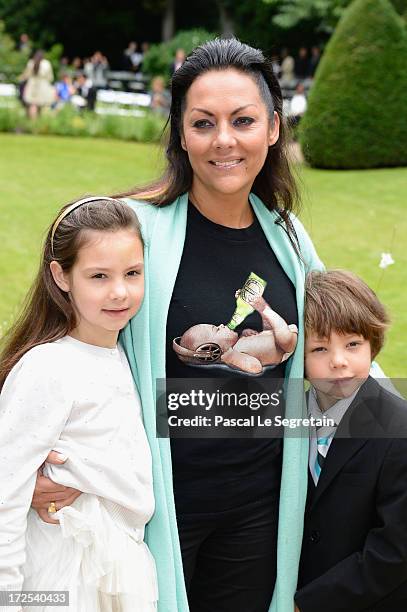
38, 91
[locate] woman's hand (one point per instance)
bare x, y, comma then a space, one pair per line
47, 491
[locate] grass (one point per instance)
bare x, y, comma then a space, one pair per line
39, 175
352, 216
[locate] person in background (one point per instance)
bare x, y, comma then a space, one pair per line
25, 47
298, 104
64, 62
76, 65
314, 60
85, 92
127, 64
38, 91
178, 60
287, 67
301, 67
64, 90
145, 46
25, 44
96, 70
136, 59
275, 61
132, 57
160, 97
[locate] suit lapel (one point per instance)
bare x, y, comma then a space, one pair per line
341, 450
358, 418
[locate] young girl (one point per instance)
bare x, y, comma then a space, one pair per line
66, 385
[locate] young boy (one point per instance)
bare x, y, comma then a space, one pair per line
354, 553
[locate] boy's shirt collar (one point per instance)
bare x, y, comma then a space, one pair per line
335, 412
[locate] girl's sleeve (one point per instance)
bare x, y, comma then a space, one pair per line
33, 411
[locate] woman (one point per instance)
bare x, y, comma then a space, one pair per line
38, 91
222, 211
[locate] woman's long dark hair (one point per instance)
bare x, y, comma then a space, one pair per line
37, 59
48, 313
275, 184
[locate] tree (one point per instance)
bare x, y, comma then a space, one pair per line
168, 22
109, 24
324, 13
357, 107
29, 17
226, 19
166, 10
12, 62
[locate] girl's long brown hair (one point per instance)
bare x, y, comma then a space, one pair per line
48, 314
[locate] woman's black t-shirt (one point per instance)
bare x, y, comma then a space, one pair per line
214, 475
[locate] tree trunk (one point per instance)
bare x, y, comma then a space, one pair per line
168, 22
227, 25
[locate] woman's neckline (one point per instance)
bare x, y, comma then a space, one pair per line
223, 231
250, 212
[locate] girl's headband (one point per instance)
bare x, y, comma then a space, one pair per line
72, 207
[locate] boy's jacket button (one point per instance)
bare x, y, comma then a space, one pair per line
315, 536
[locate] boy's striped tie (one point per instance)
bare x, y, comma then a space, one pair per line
323, 444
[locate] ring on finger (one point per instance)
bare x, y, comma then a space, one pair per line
52, 508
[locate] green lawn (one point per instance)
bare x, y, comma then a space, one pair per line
352, 216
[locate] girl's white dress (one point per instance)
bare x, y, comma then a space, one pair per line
80, 400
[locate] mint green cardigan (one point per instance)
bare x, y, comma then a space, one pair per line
144, 340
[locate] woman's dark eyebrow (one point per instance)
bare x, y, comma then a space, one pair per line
206, 112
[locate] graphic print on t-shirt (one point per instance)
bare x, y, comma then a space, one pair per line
211, 475
220, 346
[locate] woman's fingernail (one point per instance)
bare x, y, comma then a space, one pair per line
62, 457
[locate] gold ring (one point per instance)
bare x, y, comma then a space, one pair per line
52, 508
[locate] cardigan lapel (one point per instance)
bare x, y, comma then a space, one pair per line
167, 245
277, 237
294, 268
144, 339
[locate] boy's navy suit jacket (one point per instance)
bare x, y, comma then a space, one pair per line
354, 552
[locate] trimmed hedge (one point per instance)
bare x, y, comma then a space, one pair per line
357, 107
69, 122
